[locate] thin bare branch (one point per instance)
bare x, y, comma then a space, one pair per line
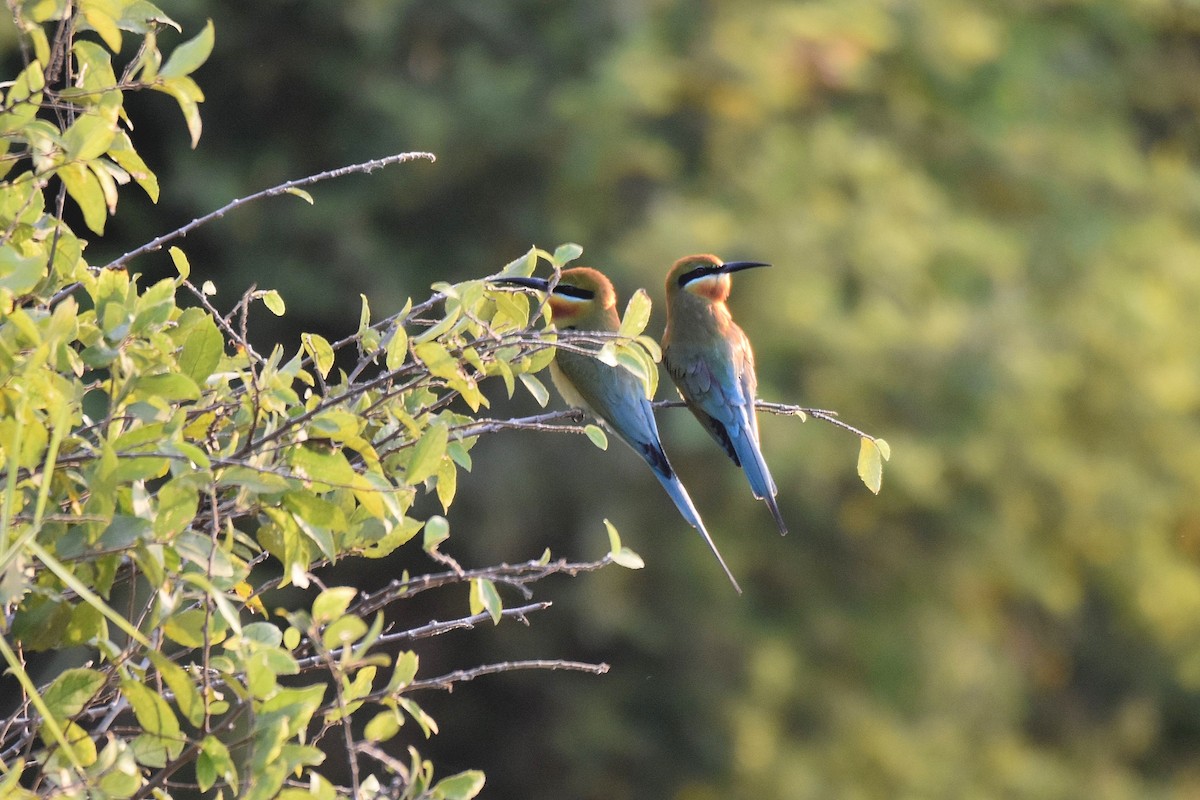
283, 188
518, 575
450, 679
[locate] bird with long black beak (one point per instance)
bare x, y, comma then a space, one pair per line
709, 358
583, 299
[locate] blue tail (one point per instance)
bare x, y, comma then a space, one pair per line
761, 484
684, 503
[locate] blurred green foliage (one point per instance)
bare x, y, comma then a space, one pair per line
985, 225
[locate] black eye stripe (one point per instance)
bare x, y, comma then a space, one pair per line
698, 272
574, 291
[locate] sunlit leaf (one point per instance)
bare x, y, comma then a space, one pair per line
428, 453
187, 57
536, 388
870, 464
566, 253
485, 597
437, 530
597, 435
320, 350
463, 786
273, 300
637, 314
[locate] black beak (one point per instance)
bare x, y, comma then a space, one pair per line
734, 266
541, 284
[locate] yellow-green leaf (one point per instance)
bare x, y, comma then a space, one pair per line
187, 57
181, 685
870, 464
383, 726
637, 314
71, 691
320, 350
397, 349
85, 189
428, 453
437, 530
332, 603
188, 95
303, 195
182, 266
89, 136
597, 435
463, 786
565, 253
274, 302
485, 597
536, 388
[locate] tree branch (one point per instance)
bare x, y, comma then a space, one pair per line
449, 680
283, 188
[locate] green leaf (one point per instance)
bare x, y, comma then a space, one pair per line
71, 691
187, 57
85, 189
187, 698
188, 627
522, 266
485, 597
24, 98
437, 359
428, 453
320, 350
566, 253
614, 538
447, 483
100, 17
428, 726
20, 274
404, 672
536, 388
188, 95
621, 555
383, 726
870, 464
182, 266
83, 749
437, 530
628, 559
343, 631
202, 345
597, 435
153, 714
637, 314
214, 763
121, 151
463, 786
178, 502
89, 136
332, 603
169, 386
397, 349
274, 302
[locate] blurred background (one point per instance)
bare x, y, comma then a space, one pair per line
984, 221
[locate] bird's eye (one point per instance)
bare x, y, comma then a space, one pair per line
697, 273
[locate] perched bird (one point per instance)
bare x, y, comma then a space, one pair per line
709, 358
584, 300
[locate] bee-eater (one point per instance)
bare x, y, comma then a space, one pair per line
709, 358
584, 300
